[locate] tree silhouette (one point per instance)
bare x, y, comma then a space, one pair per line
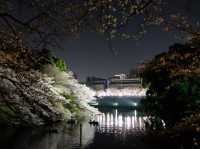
40, 21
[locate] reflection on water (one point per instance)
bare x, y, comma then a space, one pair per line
119, 129
120, 120
65, 137
114, 126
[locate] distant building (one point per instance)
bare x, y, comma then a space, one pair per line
118, 77
116, 81
93, 79
97, 83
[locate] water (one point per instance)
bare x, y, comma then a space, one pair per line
117, 129
119, 102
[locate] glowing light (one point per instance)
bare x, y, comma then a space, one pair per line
120, 121
134, 104
115, 117
140, 123
115, 104
135, 114
128, 122
108, 119
113, 122
136, 92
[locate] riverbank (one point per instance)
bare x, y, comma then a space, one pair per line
37, 88
117, 128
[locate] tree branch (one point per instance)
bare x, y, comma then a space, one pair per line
147, 4
9, 25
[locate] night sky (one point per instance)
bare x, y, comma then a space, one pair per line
89, 55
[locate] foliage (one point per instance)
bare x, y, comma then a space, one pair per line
13, 53
72, 105
186, 132
41, 23
59, 63
35, 87
47, 19
36, 97
68, 86
173, 79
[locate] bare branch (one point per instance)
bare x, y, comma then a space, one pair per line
10, 25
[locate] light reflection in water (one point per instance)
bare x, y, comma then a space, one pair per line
114, 126
115, 120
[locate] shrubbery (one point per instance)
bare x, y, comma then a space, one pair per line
173, 79
36, 87
59, 63
173, 82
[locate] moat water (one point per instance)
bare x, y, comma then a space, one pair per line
116, 129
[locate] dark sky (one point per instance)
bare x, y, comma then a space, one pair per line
89, 55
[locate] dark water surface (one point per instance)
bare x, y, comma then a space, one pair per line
117, 129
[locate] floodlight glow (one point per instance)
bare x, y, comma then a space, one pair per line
136, 92
134, 104
115, 104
